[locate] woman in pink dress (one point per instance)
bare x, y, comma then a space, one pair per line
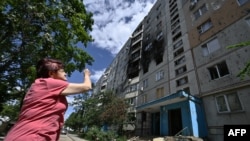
42, 114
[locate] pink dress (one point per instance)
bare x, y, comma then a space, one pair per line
42, 113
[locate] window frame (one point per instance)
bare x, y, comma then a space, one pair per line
159, 92
242, 2
248, 20
180, 60
181, 70
178, 44
199, 12
209, 47
227, 105
132, 88
205, 26
148, 46
159, 75
145, 83
131, 101
182, 81
144, 99
179, 52
216, 70
159, 36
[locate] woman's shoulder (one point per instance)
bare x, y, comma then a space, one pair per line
50, 81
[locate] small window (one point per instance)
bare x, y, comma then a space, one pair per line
174, 18
248, 20
159, 25
180, 70
159, 36
228, 103
159, 92
158, 16
177, 36
178, 52
180, 61
176, 30
148, 20
144, 99
158, 7
145, 83
148, 37
132, 88
103, 87
241, 2
159, 75
210, 47
195, 1
135, 55
175, 24
148, 47
219, 70
173, 10
131, 101
205, 26
178, 44
182, 81
201, 11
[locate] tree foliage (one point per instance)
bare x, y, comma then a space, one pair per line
92, 110
115, 109
75, 120
246, 70
102, 109
10, 110
31, 30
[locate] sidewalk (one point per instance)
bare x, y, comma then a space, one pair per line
74, 137
68, 137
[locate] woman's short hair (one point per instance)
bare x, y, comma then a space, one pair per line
46, 65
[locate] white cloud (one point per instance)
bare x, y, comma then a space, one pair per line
68, 112
97, 74
70, 99
115, 20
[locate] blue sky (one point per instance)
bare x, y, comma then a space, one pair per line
114, 22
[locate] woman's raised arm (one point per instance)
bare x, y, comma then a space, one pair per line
76, 88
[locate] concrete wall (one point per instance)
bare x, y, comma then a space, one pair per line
216, 121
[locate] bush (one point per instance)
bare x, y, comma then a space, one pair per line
95, 134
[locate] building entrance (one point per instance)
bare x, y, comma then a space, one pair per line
175, 121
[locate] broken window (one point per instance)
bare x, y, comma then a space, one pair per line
219, 70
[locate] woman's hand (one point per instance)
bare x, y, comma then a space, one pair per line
86, 72
76, 88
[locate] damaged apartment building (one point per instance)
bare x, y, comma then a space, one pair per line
177, 71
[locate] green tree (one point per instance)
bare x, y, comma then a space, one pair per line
9, 110
104, 108
115, 109
92, 111
246, 70
31, 30
75, 121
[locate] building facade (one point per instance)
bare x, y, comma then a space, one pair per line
177, 71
